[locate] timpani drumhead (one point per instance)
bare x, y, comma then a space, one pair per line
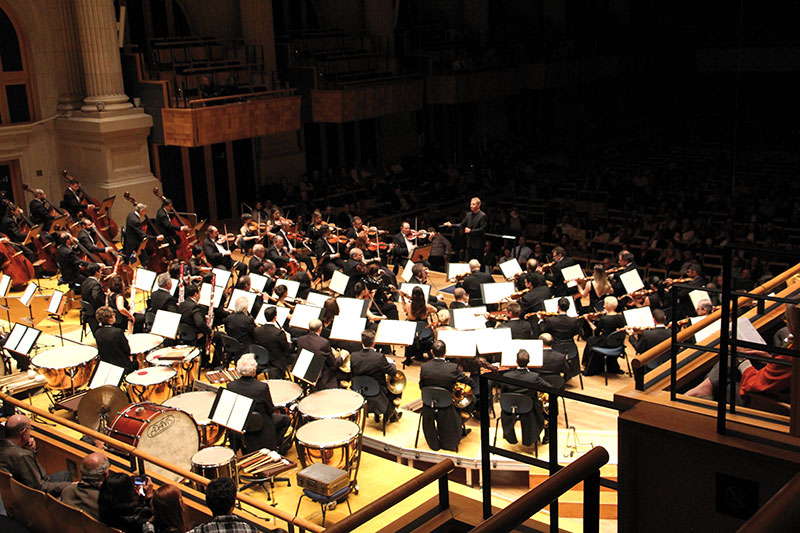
283, 391
331, 403
65, 367
198, 404
150, 376
144, 342
327, 433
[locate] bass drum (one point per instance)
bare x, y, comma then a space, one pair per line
163, 432
198, 404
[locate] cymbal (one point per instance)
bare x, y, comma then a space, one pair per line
102, 402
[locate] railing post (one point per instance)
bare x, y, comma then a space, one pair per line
638, 378
673, 349
552, 432
444, 493
591, 502
486, 466
724, 338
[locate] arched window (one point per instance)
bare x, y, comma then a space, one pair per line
15, 97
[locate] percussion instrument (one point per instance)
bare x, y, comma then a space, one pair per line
166, 433
21, 382
334, 403
222, 376
198, 405
155, 384
334, 442
66, 367
214, 462
185, 360
284, 395
99, 405
143, 343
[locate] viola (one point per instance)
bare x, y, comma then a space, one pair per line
374, 246
340, 239
97, 213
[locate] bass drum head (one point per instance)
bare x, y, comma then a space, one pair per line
171, 436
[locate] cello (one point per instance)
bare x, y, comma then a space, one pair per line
186, 239
45, 251
60, 220
97, 213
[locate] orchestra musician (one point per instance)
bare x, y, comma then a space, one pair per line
87, 241
554, 363
648, 338
199, 269
442, 430
69, 262
165, 226
474, 225
354, 268
279, 254
472, 283
369, 362
10, 227
315, 343
564, 328
161, 299
626, 264
537, 292
685, 305
135, 233
39, 212
597, 288
461, 299
354, 230
314, 231
92, 294
278, 227
112, 345
603, 327
532, 422
192, 315
272, 337
402, 247
441, 249
256, 263
249, 234
520, 329
328, 257
218, 255
118, 302
73, 196
555, 276
239, 325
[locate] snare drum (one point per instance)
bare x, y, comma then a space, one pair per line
66, 367
334, 442
333, 403
198, 405
214, 462
143, 343
166, 433
284, 395
188, 367
155, 384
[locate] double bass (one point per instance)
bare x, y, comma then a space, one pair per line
157, 253
45, 251
97, 213
14, 264
59, 223
186, 238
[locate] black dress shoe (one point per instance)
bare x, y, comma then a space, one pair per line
546, 437
466, 432
619, 371
377, 418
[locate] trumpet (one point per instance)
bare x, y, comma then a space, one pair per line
396, 383
462, 395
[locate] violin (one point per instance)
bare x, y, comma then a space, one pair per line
519, 294
337, 239
417, 234
97, 213
593, 316
499, 316
540, 314
614, 270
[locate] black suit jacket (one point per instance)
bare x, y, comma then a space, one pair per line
10, 228
649, 338
400, 250
533, 300
164, 223
562, 327
71, 202
553, 362
557, 277
477, 224
472, 284
163, 300
273, 338
276, 257
520, 329
442, 373
255, 265
240, 326
322, 346
39, 214
192, 314
113, 347
70, 264
458, 305
88, 242
267, 436
92, 292
368, 362
213, 255
134, 232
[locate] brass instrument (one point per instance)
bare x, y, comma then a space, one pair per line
462, 395
396, 383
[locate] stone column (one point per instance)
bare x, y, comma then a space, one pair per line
71, 85
258, 29
97, 29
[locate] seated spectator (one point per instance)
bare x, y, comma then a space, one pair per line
120, 507
84, 494
220, 499
169, 513
18, 458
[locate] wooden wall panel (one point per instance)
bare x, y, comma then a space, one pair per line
363, 102
472, 86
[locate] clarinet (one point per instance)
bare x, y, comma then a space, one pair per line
181, 286
210, 315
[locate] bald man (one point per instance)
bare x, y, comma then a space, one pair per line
84, 493
18, 457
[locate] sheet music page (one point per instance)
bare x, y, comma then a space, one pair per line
494, 292
25, 299
572, 272
222, 277
551, 306
301, 365
492, 340
15, 336
239, 293
166, 324
338, 282
347, 328
406, 289
280, 319
707, 331
107, 374
352, 307
696, 296
227, 400
458, 343
534, 348
641, 317
242, 406
144, 279
470, 317
55, 302
205, 295
510, 268
406, 274
395, 332
631, 280
28, 340
455, 269
317, 299
5, 284
291, 287
303, 314
745, 331
257, 282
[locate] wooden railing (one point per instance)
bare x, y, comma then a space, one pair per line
278, 93
437, 472
780, 513
585, 468
141, 457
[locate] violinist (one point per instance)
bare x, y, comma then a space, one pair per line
279, 226
199, 269
443, 319
248, 234
219, 256
563, 328
314, 231
537, 292
520, 329
87, 241
560, 261
382, 281
441, 248
73, 198
597, 288
40, 214
685, 305
353, 231
417, 310
472, 283
278, 253
92, 293
69, 262
354, 268
474, 225
402, 247
643, 340
461, 299
626, 264
192, 315
374, 313
256, 263
135, 233
328, 257
165, 226
603, 327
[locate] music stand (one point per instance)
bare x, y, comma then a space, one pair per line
5, 284
406, 274
493, 293
106, 374
352, 307
205, 295
347, 328
339, 281
469, 317
25, 300
491, 340
457, 269
396, 332
291, 287
421, 254
407, 288
231, 410
165, 324
535, 349
316, 299
257, 282
55, 310
632, 281
458, 343
551, 306
308, 367
280, 319
640, 317
239, 293
144, 280
21, 339
510, 268
303, 314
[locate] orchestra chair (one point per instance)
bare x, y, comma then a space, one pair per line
570, 349
516, 405
87, 310
557, 382
149, 318
187, 334
617, 342
436, 398
326, 502
73, 520
262, 358
27, 506
368, 387
231, 348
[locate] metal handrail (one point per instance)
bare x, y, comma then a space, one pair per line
142, 456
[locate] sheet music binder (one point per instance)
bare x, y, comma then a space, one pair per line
308, 366
231, 410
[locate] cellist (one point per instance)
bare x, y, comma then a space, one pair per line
9, 226
73, 197
40, 214
165, 226
87, 241
69, 262
135, 225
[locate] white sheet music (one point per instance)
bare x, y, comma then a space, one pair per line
641, 317
495, 292
455, 269
232, 410
631, 280
707, 331
348, 328
551, 306
144, 279
534, 348
205, 295
352, 307
28, 340
458, 343
745, 331
406, 274
106, 374
166, 324
406, 289
338, 282
291, 287
55, 302
469, 317
14, 337
283, 314
317, 299
222, 277
395, 332
303, 314
25, 299
492, 340
301, 365
257, 282
697, 296
239, 293
5, 284
510, 268
572, 272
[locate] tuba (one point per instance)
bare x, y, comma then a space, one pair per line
462, 395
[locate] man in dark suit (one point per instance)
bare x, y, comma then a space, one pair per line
444, 430
554, 363
39, 212
368, 362
520, 329
68, 261
276, 341
685, 305
472, 283
563, 328
165, 225
625, 260
161, 299
87, 241
315, 343
219, 256
328, 257
474, 225
135, 233
72, 199
354, 268
538, 291
112, 345
644, 340
533, 422
461, 299
256, 263
92, 293
269, 434
556, 276
240, 325
18, 458
278, 253
192, 315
